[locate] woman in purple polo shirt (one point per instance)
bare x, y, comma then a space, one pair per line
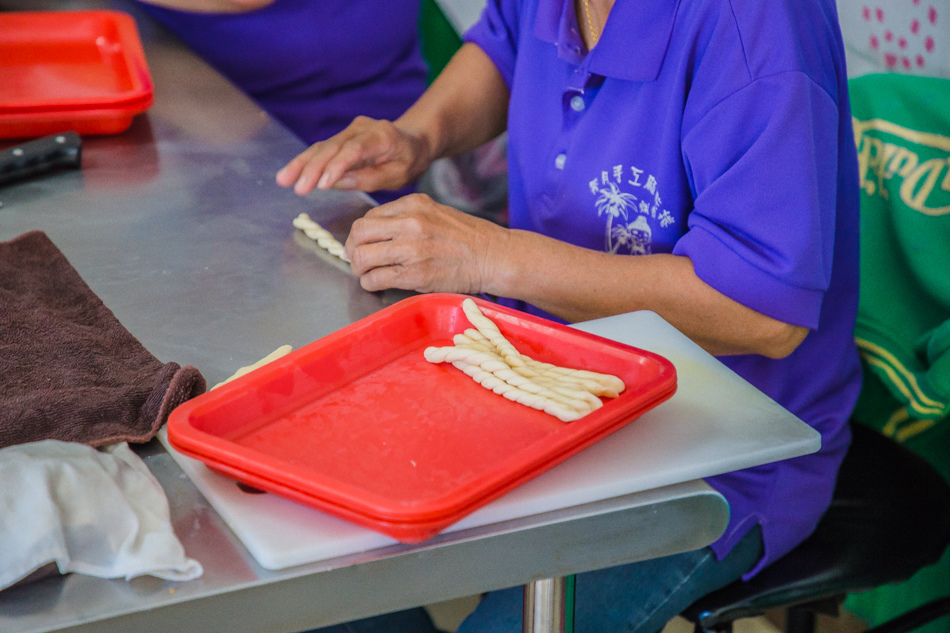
709, 139
313, 66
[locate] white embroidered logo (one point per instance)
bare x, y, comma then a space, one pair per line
634, 235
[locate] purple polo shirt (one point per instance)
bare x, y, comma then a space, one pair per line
719, 130
314, 65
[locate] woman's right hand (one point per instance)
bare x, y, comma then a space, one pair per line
368, 155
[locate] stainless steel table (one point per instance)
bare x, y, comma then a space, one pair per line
178, 226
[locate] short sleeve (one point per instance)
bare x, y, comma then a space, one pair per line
763, 167
496, 33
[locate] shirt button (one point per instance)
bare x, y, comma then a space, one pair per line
560, 160
577, 103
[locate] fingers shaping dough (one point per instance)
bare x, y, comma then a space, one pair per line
320, 235
485, 355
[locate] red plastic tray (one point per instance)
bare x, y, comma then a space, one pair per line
360, 425
79, 70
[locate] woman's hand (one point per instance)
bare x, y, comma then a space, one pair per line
466, 106
417, 244
368, 155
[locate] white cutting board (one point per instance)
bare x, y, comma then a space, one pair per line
715, 423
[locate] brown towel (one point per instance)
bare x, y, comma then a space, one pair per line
68, 369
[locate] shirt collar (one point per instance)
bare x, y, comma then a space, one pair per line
632, 46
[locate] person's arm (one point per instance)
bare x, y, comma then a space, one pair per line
463, 108
416, 244
579, 284
212, 6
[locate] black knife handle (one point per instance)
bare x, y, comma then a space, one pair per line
41, 155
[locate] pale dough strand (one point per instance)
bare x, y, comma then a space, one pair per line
569, 389
535, 401
606, 385
492, 364
476, 336
320, 235
498, 379
485, 355
485, 325
486, 361
461, 340
610, 383
591, 388
283, 350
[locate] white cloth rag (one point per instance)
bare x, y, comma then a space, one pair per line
95, 512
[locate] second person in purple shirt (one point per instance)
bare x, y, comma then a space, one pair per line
313, 65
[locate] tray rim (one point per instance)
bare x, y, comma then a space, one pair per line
91, 122
404, 530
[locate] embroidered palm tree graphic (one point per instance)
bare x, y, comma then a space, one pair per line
613, 203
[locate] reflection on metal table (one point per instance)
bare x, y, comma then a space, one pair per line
178, 226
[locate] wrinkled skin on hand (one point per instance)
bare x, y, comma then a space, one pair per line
417, 244
368, 155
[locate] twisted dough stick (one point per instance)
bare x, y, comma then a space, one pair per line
320, 235
485, 355
283, 350
535, 401
609, 382
558, 385
605, 385
490, 331
492, 364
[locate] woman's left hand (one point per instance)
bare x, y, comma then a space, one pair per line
414, 243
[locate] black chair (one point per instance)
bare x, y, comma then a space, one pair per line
889, 517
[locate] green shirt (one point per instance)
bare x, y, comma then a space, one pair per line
902, 132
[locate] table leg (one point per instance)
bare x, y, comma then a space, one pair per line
549, 606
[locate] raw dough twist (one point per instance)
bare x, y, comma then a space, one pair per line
320, 235
605, 385
490, 331
535, 401
492, 364
485, 355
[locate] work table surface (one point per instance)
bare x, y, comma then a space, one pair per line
178, 226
